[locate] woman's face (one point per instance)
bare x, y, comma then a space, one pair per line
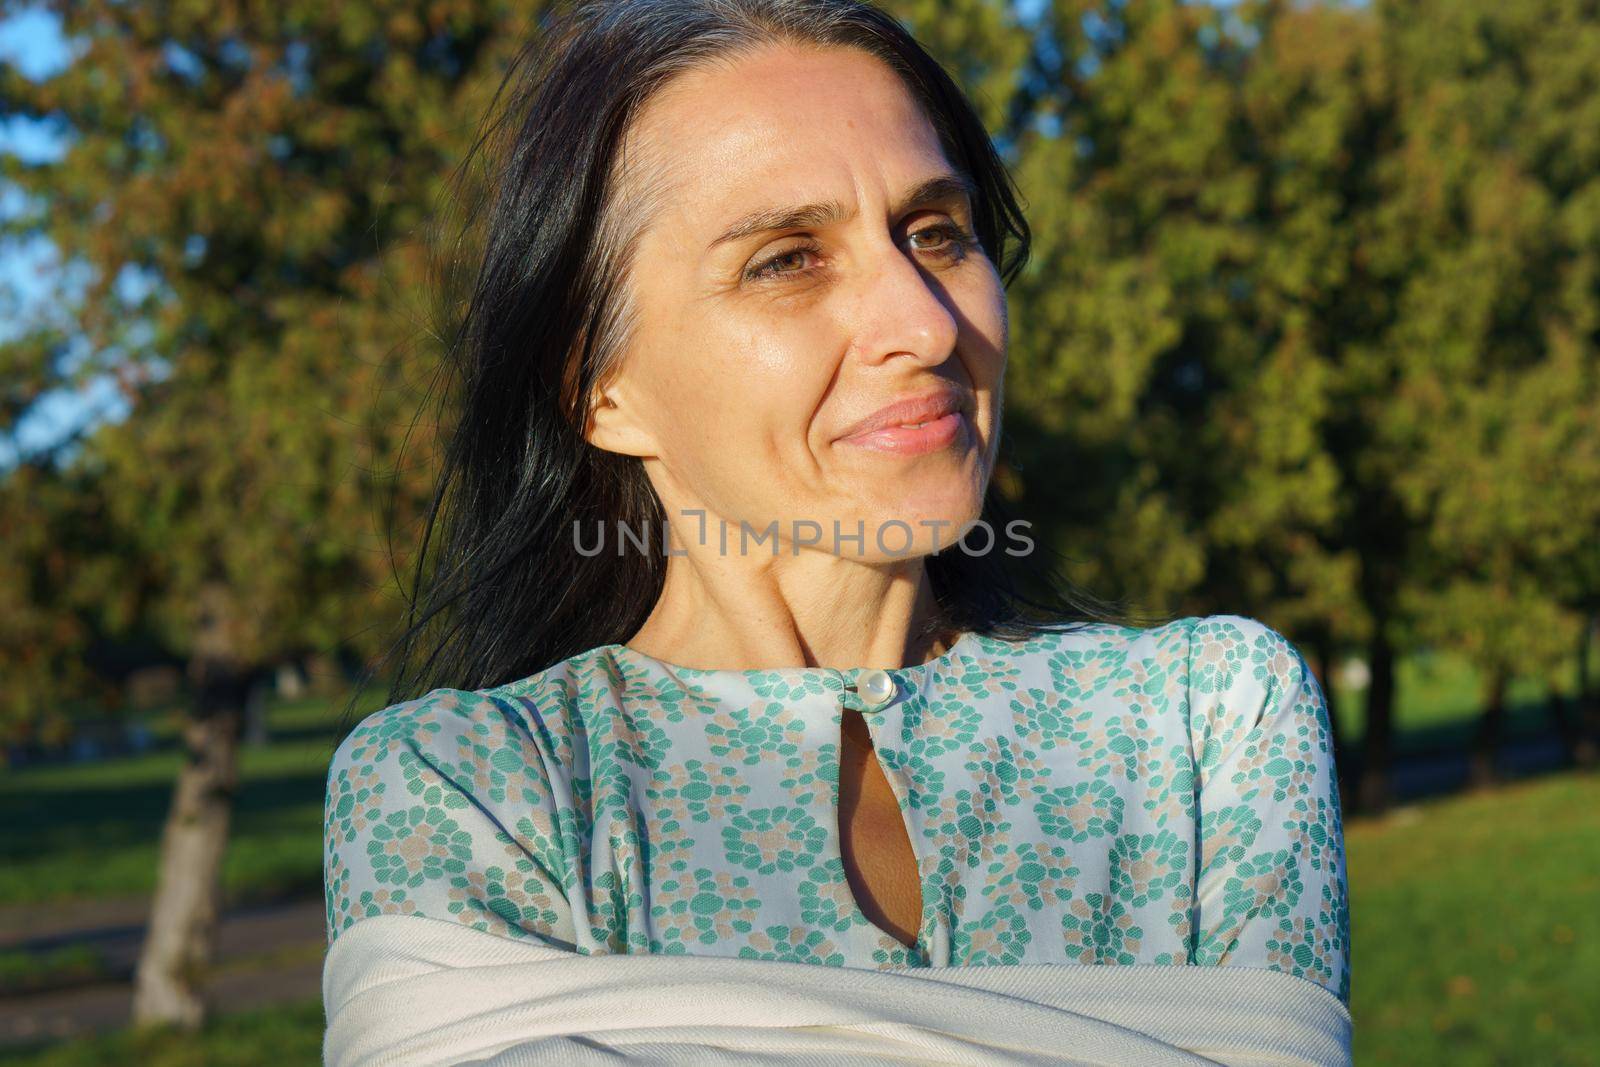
766, 328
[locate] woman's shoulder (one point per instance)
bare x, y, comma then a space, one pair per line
1213, 653
1229, 670
505, 744
492, 723
1241, 666
1257, 707
448, 805
418, 724
1092, 650
1179, 633
1226, 651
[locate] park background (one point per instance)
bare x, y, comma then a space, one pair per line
1309, 333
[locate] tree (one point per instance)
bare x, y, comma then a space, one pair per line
1188, 169
55, 598
1497, 205
1312, 282
243, 184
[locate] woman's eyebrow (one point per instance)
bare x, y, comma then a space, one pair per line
938, 189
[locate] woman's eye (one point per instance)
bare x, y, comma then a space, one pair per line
951, 242
771, 267
954, 236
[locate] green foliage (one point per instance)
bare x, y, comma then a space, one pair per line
1311, 328
1495, 186
1309, 332
269, 171
52, 587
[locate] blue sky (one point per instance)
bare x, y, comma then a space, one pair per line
32, 41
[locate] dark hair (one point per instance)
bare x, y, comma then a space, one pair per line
509, 594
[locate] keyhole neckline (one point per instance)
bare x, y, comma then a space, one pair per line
918, 949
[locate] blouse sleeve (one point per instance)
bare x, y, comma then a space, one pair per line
442, 806
1271, 888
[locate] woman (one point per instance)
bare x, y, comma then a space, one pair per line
718, 685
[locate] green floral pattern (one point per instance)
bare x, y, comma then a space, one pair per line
1093, 795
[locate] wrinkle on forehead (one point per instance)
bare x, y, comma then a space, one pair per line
759, 142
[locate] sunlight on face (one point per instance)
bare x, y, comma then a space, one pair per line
765, 335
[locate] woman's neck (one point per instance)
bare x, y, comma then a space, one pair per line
807, 610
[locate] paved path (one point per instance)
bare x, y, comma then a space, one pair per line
267, 954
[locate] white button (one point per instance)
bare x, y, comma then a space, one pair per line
876, 687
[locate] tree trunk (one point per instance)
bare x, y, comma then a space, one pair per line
1491, 728
1374, 793
1566, 717
179, 941
1586, 714
255, 712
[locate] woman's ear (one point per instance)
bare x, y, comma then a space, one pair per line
612, 427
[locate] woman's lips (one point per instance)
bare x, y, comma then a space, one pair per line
931, 436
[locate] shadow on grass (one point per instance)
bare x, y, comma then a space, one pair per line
1435, 760
101, 837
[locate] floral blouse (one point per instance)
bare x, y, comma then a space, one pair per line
1096, 794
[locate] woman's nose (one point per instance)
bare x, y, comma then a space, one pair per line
901, 309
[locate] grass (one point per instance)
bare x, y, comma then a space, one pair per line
1476, 936
24, 972
93, 830
286, 1035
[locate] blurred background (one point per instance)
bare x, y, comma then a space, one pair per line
1309, 334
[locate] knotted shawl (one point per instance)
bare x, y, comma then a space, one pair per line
408, 990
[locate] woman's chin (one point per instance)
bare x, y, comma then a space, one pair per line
919, 528
953, 496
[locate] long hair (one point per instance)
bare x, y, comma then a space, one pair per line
506, 593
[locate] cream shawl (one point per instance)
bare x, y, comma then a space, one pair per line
408, 990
